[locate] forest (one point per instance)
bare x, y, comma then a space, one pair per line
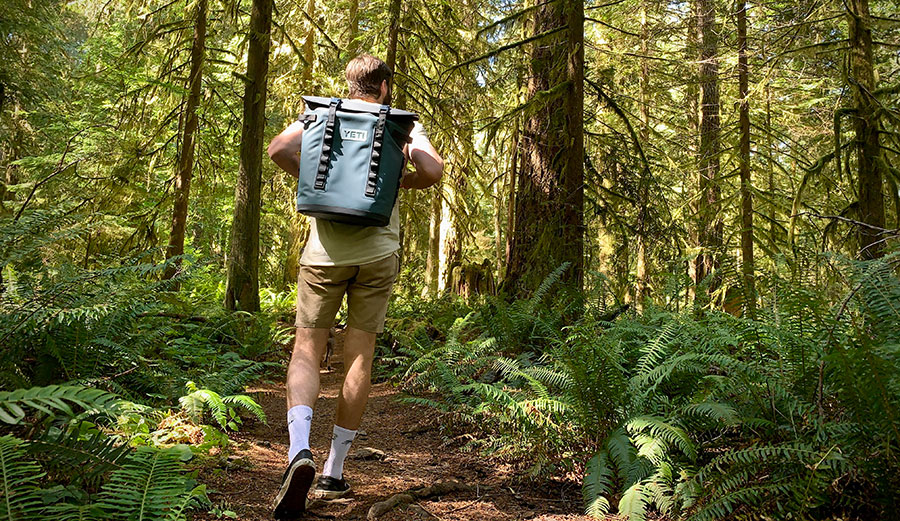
658, 280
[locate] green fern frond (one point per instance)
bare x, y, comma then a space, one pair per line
596, 486
633, 504
653, 353
54, 399
19, 477
150, 485
85, 460
664, 430
720, 413
72, 512
545, 286
620, 450
248, 404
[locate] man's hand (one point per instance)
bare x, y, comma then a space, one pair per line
285, 147
428, 164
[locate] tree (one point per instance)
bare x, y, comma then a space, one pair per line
709, 224
866, 122
747, 265
186, 156
641, 271
242, 290
549, 220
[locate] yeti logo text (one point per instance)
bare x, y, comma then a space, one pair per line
355, 135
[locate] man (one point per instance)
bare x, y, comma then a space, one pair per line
361, 261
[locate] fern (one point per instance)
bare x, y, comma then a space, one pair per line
149, 485
633, 504
597, 485
83, 460
222, 408
54, 399
705, 416
19, 479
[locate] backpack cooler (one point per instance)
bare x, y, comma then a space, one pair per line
351, 160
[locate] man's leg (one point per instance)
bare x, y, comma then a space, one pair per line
359, 349
367, 300
319, 294
303, 371
303, 385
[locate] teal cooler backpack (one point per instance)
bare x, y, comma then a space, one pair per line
351, 160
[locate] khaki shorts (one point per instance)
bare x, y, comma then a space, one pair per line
320, 290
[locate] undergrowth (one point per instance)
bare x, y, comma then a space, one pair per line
793, 414
111, 378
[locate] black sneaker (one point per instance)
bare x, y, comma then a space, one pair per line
291, 499
329, 488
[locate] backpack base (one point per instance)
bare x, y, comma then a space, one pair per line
344, 215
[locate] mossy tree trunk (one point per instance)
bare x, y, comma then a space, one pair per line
549, 219
747, 264
186, 155
868, 146
709, 224
242, 289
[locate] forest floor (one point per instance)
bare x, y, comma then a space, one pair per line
416, 455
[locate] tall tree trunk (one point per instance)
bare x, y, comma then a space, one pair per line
709, 224
640, 291
511, 200
393, 31
692, 113
498, 225
868, 146
747, 265
770, 167
309, 45
353, 30
450, 248
242, 289
407, 199
186, 158
549, 220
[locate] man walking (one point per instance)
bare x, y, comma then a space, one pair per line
361, 261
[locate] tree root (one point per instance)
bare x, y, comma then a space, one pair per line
404, 498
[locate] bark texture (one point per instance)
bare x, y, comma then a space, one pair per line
186, 157
868, 146
747, 264
641, 268
432, 260
709, 225
549, 220
309, 44
242, 289
393, 31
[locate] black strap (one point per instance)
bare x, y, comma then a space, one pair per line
327, 141
375, 160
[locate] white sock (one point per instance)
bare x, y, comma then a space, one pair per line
299, 422
340, 446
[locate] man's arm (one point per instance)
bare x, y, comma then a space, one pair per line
285, 146
427, 162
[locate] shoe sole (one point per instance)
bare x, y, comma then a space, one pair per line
330, 494
291, 498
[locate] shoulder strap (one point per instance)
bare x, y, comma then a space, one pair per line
327, 141
375, 160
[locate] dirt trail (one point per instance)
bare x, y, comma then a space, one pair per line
417, 455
